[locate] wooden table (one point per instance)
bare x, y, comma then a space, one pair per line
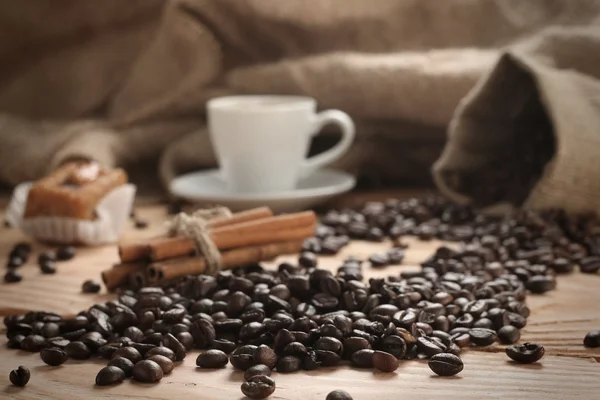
559, 321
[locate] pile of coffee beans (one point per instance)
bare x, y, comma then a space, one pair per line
20, 253
300, 316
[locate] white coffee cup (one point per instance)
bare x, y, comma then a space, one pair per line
261, 142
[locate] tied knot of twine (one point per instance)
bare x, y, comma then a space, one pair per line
195, 227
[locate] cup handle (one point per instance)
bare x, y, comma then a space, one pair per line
323, 118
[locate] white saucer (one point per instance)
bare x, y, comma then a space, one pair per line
207, 187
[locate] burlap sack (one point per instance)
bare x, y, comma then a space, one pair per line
560, 71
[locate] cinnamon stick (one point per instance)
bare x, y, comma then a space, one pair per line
175, 268
119, 274
139, 251
266, 230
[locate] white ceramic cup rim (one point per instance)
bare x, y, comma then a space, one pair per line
285, 103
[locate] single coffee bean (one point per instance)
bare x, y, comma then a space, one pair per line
46, 256
482, 337
65, 253
175, 346
131, 353
14, 261
110, 375
258, 387
12, 276
429, 347
329, 344
541, 284
20, 376
327, 358
265, 355
592, 339
166, 364
53, 356
525, 353
48, 267
186, 339
147, 371
212, 359
338, 395
394, 345
22, 249
33, 343
288, 364
308, 260
161, 351
445, 364
385, 362
77, 350
362, 358
90, 286
122, 363
509, 334
256, 370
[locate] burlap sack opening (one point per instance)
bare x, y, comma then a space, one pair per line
540, 90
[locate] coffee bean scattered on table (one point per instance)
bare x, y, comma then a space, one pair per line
14, 261
46, 256
147, 371
303, 317
592, 339
212, 359
166, 364
12, 276
338, 395
54, 356
122, 363
90, 286
110, 375
445, 364
21, 250
525, 353
20, 376
259, 369
48, 267
65, 253
258, 387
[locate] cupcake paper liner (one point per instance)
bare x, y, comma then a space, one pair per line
112, 214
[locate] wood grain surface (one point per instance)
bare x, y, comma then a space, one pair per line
559, 321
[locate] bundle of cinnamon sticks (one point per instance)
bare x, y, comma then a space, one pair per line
244, 238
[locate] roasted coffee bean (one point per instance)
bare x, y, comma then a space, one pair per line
265, 355
257, 370
353, 344
20, 376
78, 350
166, 364
122, 363
48, 267
288, 364
258, 387
590, 265
295, 349
212, 359
147, 371
132, 354
15, 341
14, 261
110, 375
541, 284
310, 361
327, 358
178, 349
159, 350
562, 266
203, 333
509, 334
394, 345
242, 358
329, 344
33, 343
186, 339
379, 260
53, 356
484, 323
12, 276
482, 337
338, 395
65, 253
592, 339
429, 347
525, 353
462, 340
90, 286
22, 249
46, 256
308, 260
446, 364
385, 362
134, 333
